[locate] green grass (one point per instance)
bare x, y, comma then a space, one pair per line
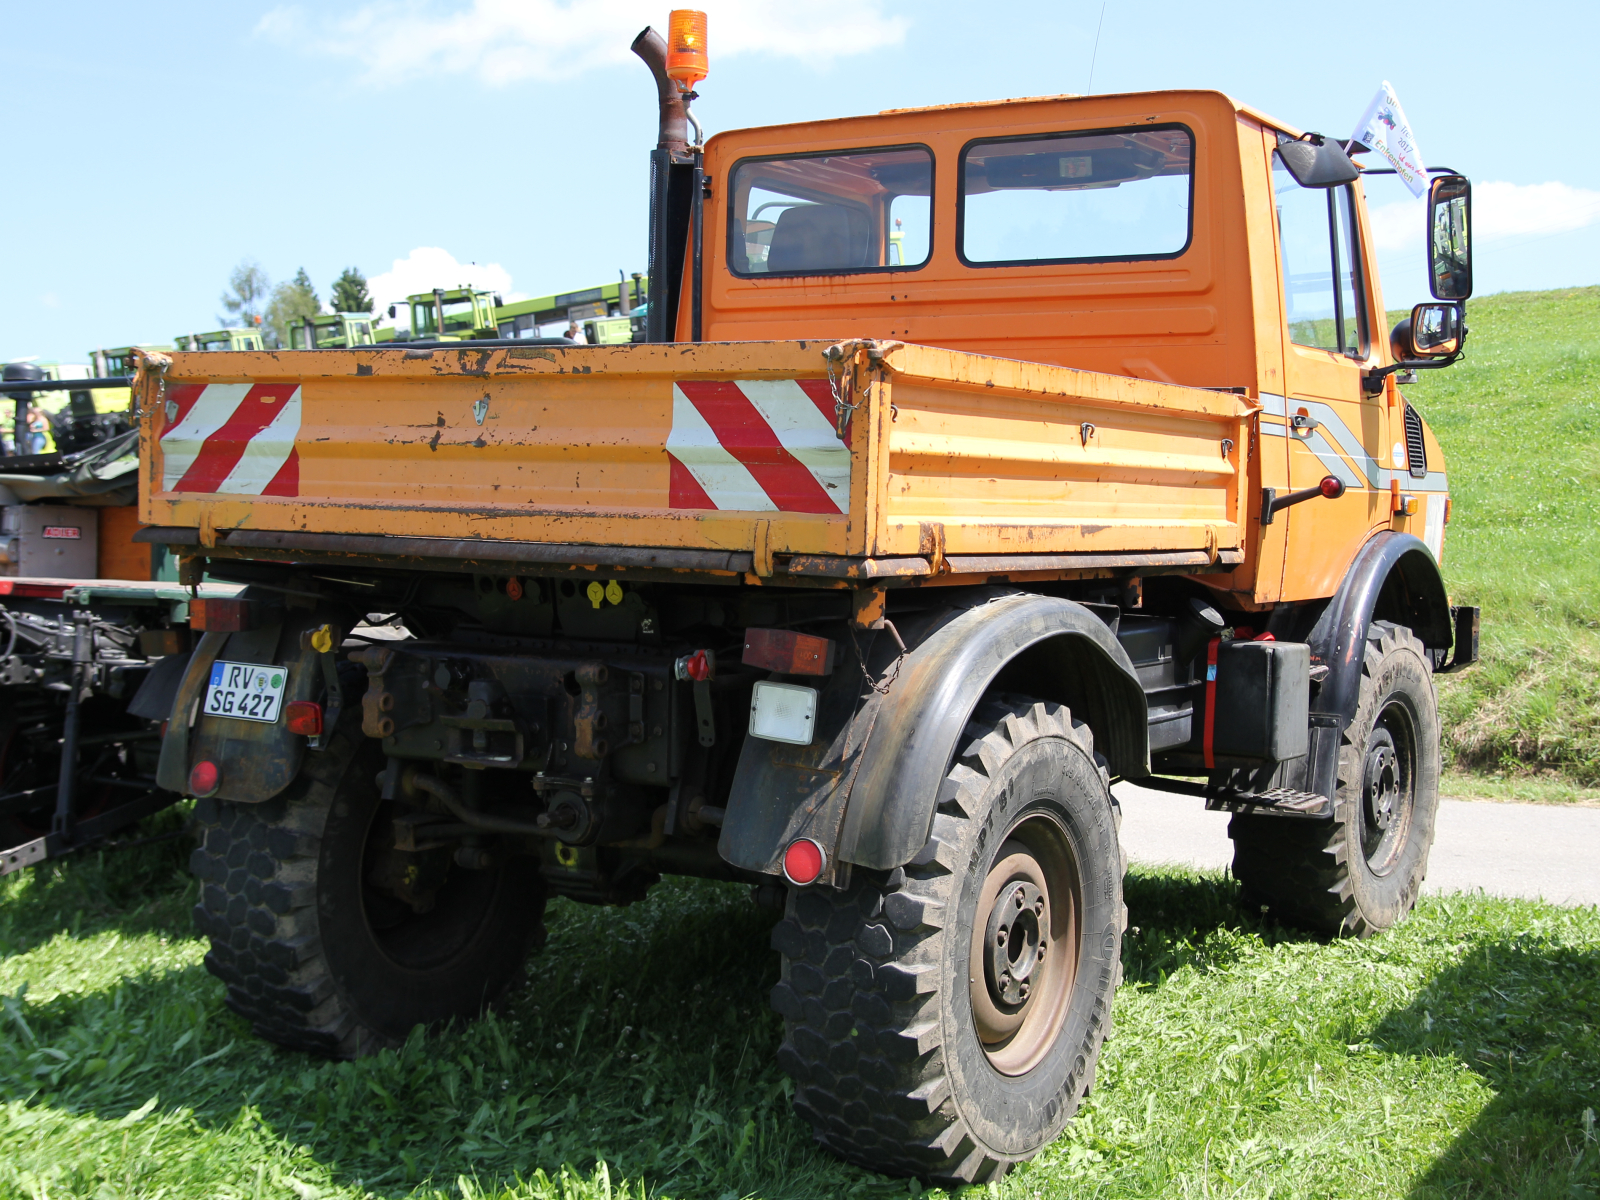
1519, 421
1456, 1056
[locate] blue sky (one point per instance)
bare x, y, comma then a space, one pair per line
152, 147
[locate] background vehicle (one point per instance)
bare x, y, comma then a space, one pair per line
95, 632
864, 592
604, 313
220, 339
332, 331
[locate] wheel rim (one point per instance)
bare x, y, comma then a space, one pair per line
1388, 788
1025, 945
421, 910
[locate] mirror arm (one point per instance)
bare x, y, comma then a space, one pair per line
1372, 378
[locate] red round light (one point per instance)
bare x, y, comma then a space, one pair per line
1332, 486
205, 778
802, 861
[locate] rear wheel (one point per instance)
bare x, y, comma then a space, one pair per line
944, 1019
329, 939
1360, 872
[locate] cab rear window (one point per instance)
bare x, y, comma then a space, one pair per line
1077, 197
829, 214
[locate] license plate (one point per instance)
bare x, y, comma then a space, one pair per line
249, 691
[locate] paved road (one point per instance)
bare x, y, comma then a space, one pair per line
1537, 851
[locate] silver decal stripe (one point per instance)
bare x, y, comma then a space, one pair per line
1339, 434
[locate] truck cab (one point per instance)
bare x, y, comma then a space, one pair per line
1158, 237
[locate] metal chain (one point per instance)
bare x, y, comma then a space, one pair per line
894, 668
842, 409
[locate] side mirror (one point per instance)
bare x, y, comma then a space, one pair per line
391, 312
1316, 162
1431, 331
1449, 237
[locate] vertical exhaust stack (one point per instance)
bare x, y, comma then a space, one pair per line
672, 133
674, 184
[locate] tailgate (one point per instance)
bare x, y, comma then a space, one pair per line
715, 447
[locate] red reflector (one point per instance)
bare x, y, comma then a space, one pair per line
802, 861
788, 652
222, 616
205, 778
1332, 486
303, 716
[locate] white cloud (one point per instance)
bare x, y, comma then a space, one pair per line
429, 267
1499, 210
504, 41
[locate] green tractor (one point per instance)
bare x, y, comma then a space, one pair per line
467, 315
610, 314
332, 331
221, 339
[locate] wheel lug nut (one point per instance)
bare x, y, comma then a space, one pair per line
1000, 937
1038, 907
1023, 991
1018, 897
1041, 951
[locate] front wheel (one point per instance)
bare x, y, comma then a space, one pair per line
1360, 872
944, 1019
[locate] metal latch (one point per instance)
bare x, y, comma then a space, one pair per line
699, 669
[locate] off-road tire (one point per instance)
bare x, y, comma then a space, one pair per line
879, 1026
1316, 875
285, 905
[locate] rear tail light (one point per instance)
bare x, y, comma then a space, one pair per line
803, 862
303, 716
205, 778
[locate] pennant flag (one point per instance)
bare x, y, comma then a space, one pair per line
1384, 127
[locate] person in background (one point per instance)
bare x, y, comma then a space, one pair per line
40, 433
575, 334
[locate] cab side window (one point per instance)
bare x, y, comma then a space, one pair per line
1322, 282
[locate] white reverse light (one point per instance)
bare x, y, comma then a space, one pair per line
783, 712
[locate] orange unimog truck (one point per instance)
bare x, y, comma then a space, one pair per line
980, 457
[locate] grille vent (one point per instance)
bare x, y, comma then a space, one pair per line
1416, 449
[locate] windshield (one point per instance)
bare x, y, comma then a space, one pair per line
1077, 197
865, 210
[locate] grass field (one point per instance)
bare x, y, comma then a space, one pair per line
1457, 1056
1519, 421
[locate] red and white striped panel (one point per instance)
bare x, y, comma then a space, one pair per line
232, 438
757, 445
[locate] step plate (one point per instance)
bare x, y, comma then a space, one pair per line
1284, 802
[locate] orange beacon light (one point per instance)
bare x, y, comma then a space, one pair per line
686, 47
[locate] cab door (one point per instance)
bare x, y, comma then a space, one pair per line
1334, 427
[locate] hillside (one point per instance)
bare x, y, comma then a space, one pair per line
1519, 420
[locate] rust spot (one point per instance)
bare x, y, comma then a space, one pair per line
433, 442
479, 442
440, 421
363, 368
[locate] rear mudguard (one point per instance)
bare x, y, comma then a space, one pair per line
867, 786
257, 759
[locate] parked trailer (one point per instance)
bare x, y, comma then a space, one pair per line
1022, 448
93, 644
